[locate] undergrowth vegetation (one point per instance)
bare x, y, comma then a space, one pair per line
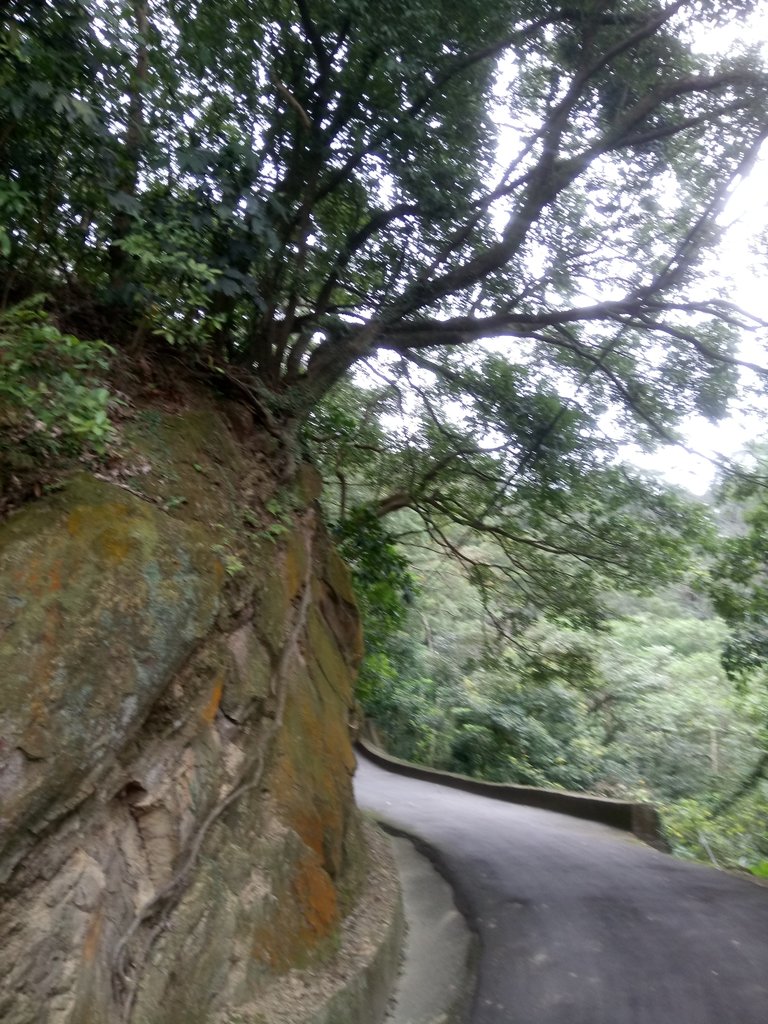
54, 404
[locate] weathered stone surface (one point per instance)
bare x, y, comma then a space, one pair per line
175, 766
101, 600
338, 578
309, 483
250, 667
357, 987
336, 599
190, 464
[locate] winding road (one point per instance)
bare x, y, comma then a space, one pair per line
580, 923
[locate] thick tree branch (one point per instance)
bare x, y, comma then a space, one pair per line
418, 105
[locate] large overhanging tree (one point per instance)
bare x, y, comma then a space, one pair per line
288, 189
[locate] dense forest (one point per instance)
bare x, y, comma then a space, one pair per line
458, 256
651, 698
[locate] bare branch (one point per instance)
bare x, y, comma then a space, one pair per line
291, 100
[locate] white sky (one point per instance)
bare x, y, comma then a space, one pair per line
746, 276
742, 262
739, 262
746, 280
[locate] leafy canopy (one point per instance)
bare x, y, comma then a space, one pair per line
296, 185
287, 190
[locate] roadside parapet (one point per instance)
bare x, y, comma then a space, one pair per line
643, 820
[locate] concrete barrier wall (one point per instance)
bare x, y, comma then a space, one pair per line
641, 819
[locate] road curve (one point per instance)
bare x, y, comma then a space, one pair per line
580, 923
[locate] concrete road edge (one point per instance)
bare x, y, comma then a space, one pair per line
455, 1007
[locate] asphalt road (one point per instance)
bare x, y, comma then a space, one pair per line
580, 923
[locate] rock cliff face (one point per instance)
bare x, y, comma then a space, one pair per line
177, 652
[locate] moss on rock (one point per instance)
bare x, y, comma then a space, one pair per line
161, 650
101, 600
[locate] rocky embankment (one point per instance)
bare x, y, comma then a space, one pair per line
178, 645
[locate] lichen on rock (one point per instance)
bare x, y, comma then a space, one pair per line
101, 600
178, 827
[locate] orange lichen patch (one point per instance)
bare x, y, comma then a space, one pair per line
311, 823
306, 915
92, 936
337, 576
43, 665
344, 621
337, 742
316, 896
309, 483
266, 947
37, 578
114, 545
218, 571
209, 711
311, 778
33, 576
55, 577
26, 576
35, 740
106, 525
85, 518
38, 711
328, 656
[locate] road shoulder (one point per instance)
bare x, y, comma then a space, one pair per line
437, 981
